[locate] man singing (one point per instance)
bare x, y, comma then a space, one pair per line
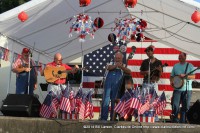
152, 74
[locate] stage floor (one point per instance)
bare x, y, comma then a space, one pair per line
42, 125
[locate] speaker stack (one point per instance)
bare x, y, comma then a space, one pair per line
193, 114
21, 105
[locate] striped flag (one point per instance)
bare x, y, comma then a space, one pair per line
122, 106
65, 101
89, 106
144, 108
161, 103
49, 107
82, 107
135, 102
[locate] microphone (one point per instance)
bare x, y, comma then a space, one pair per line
30, 53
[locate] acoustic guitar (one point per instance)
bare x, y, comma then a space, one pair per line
154, 74
52, 73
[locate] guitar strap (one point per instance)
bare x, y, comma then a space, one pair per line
186, 68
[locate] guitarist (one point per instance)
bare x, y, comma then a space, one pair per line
59, 85
181, 95
150, 81
155, 68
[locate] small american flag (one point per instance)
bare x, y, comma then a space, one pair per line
82, 107
65, 102
161, 103
144, 108
89, 106
120, 108
49, 107
78, 100
135, 102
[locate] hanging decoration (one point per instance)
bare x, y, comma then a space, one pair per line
130, 3
98, 22
129, 28
84, 25
22, 16
112, 37
84, 2
196, 16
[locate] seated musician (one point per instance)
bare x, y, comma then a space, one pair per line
22, 69
112, 83
181, 95
155, 69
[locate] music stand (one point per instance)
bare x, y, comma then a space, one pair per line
43, 86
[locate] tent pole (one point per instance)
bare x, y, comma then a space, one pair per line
82, 59
11, 61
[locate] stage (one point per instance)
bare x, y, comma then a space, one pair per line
42, 125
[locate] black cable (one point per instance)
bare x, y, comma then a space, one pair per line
120, 12
173, 33
164, 28
64, 45
179, 38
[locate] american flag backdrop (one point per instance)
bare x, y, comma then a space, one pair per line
163, 52
96, 62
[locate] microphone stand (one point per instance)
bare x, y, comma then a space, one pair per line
102, 83
29, 65
149, 71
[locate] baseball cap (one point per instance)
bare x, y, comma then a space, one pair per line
151, 47
25, 50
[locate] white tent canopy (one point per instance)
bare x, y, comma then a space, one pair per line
46, 31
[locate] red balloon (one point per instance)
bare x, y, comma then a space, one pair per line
130, 3
143, 24
84, 2
98, 22
195, 16
23, 16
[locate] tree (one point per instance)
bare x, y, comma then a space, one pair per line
6, 5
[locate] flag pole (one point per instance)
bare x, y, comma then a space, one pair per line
82, 59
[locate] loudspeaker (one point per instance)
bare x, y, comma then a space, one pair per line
21, 105
193, 114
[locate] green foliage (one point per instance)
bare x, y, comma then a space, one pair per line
6, 5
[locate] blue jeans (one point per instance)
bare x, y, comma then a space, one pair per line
111, 88
22, 83
180, 97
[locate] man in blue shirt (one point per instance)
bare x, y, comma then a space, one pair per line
183, 94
